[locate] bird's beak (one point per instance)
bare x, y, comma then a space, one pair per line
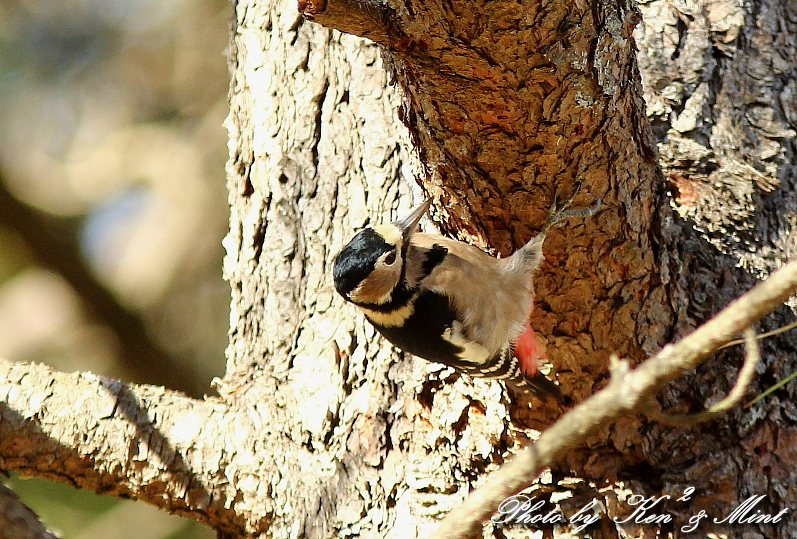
408, 225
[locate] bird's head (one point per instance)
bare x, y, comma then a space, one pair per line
372, 264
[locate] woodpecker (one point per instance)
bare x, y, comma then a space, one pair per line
450, 302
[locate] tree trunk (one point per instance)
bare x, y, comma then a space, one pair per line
506, 106
495, 110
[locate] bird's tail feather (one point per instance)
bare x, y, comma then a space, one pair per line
539, 385
505, 366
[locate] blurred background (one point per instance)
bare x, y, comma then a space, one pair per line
112, 210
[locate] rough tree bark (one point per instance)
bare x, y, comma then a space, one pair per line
494, 108
500, 128
507, 105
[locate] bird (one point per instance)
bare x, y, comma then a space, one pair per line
449, 302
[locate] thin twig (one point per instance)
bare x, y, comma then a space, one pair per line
778, 331
626, 392
772, 389
752, 358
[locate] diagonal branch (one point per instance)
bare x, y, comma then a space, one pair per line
130, 441
752, 356
627, 391
371, 19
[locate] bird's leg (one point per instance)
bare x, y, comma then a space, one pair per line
557, 214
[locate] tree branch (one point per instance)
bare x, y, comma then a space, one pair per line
371, 19
752, 356
129, 441
627, 391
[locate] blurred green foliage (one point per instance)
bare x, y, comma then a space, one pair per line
78, 514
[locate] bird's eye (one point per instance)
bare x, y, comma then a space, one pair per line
390, 258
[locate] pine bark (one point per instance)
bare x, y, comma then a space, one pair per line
508, 107
495, 110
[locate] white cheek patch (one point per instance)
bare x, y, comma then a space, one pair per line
472, 352
367, 293
378, 287
393, 318
390, 233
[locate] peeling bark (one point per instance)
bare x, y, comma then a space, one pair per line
494, 108
506, 106
138, 442
719, 91
376, 445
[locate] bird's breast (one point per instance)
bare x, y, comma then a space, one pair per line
424, 322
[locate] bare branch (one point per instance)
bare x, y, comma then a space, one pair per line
130, 441
371, 19
626, 392
745, 377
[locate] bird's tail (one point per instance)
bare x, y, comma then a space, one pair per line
539, 385
529, 354
507, 366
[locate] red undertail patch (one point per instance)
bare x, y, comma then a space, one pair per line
528, 352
